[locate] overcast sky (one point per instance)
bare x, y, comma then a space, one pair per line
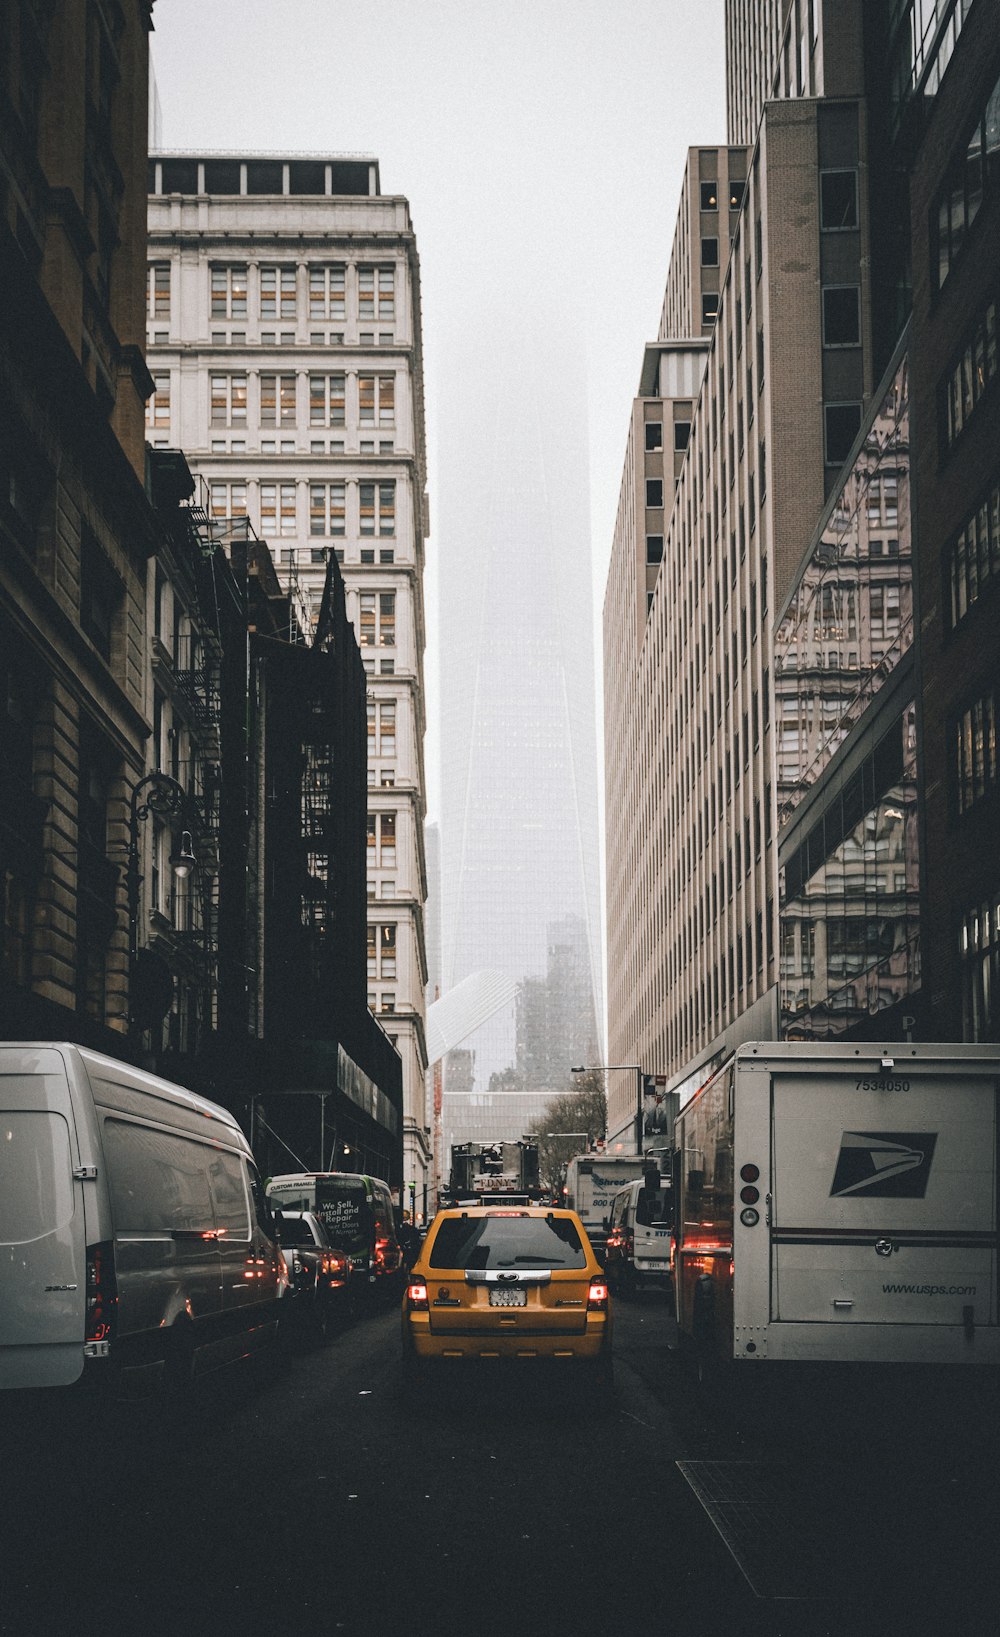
545, 137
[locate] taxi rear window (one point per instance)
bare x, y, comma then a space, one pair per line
507, 1242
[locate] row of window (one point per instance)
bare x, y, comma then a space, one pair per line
974, 558
710, 194
278, 507
972, 175
975, 752
972, 374
373, 399
326, 291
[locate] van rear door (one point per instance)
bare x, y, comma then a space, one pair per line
43, 1255
884, 1199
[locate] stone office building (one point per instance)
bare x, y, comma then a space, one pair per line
76, 528
283, 311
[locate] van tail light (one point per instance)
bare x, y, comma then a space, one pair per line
102, 1294
416, 1296
597, 1301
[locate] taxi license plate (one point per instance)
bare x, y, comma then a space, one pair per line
652, 1263
508, 1298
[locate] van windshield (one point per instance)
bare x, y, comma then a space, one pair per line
342, 1207
507, 1242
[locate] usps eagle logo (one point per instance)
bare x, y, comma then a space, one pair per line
884, 1164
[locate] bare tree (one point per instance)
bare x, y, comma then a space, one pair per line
582, 1109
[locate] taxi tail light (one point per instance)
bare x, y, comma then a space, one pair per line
102, 1292
416, 1296
597, 1301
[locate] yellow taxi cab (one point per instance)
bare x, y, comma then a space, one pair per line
508, 1283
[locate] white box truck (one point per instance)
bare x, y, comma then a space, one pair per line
592, 1181
838, 1203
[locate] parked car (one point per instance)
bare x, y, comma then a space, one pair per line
319, 1274
637, 1255
357, 1213
136, 1242
521, 1286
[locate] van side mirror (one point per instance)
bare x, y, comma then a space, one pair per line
277, 1222
607, 1223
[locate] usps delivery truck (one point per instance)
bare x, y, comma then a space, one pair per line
839, 1203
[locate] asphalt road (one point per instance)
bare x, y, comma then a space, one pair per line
317, 1501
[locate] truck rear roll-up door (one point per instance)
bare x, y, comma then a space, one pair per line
884, 1201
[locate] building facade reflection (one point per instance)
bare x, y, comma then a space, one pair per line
846, 751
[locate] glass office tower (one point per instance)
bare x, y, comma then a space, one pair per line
518, 738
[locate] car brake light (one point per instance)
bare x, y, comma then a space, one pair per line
597, 1301
416, 1296
102, 1292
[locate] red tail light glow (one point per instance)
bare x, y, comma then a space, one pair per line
416, 1296
102, 1292
597, 1301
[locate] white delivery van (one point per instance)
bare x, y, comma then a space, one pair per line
135, 1238
639, 1235
838, 1204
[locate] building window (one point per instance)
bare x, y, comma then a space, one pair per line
327, 394
385, 521
974, 754
158, 406
710, 195
229, 292
387, 840
158, 291
386, 400
376, 284
709, 306
654, 492
972, 374
682, 435
654, 435
973, 561
654, 549
709, 252
327, 292
387, 728
327, 508
278, 292
841, 424
979, 956
277, 509
101, 595
227, 498
972, 175
841, 315
229, 400
387, 951
838, 200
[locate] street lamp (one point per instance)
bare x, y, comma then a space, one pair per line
624, 1068
162, 796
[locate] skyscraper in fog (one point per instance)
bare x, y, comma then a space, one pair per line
518, 741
